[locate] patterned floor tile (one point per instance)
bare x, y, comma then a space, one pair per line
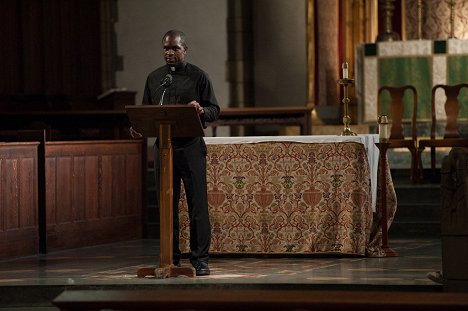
118, 264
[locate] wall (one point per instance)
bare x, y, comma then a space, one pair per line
327, 50
280, 57
141, 25
280, 53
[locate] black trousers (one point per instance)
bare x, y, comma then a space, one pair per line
189, 166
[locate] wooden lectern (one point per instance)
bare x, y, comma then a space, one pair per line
165, 122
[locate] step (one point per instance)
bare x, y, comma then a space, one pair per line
419, 206
418, 212
414, 229
418, 195
402, 176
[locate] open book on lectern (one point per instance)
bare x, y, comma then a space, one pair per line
146, 119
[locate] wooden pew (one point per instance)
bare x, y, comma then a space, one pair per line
19, 227
93, 192
66, 194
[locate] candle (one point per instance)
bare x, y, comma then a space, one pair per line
345, 70
383, 128
383, 132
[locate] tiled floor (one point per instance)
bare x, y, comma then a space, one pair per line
118, 263
115, 266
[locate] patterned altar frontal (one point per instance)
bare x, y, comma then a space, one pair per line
287, 197
421, 63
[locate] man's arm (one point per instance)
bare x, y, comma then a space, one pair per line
208, 101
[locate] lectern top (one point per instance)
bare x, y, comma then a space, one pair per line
146, 120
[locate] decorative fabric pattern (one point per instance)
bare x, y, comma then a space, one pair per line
436, 19
288, 197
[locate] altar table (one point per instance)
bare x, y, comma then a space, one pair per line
292, 194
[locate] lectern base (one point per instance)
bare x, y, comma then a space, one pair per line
166, 272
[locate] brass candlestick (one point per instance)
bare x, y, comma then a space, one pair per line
388, 7
383, 147
345, 82
419, 5
452, 20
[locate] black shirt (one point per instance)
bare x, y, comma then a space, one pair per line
188, 83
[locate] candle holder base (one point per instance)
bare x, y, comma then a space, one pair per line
390, 252
388, 36
347, 132
383, 147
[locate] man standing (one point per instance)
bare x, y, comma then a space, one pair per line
179, 82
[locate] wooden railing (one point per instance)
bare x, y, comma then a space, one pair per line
69, 124
294, 115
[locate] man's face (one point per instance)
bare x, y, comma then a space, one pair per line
174, 52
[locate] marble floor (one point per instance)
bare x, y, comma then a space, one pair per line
115, 266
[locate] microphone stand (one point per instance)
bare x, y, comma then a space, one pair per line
162, 96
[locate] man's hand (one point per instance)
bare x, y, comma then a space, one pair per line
134, 133
199, 108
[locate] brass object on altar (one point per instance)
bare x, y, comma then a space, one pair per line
345, 82
452, 20
388, 34
419, 19
384, 129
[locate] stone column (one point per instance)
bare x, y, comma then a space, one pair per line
240, 61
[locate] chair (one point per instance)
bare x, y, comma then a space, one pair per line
397, 138
451, 136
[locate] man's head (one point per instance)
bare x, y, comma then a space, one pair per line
174, 47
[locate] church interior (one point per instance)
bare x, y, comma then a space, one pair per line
337, 171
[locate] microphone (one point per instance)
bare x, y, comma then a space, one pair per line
167, 80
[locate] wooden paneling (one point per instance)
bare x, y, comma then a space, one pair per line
18, 200
94, 192
50, 49
10, 69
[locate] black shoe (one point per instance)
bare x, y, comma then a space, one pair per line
176, 263
202, 269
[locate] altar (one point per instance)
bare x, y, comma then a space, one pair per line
292, 195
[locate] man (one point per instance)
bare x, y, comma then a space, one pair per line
179, 82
